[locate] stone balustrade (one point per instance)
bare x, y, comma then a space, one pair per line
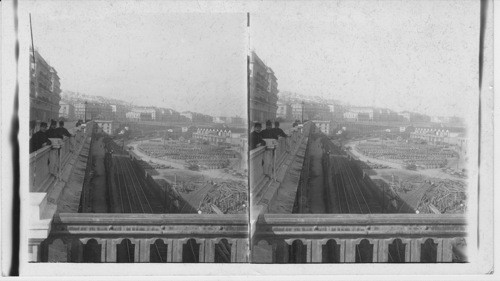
47, 163
343, 238
50, 169
266, 161
79, 237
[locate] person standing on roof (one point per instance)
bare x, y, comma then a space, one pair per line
39, 139
61, 131
268, 132
277, 131
255, 139
51, 132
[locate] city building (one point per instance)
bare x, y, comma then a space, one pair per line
228, 120
213, 136
284, 111
66, 110
119, 112
169, 115
263, 90
350, 116
302, 110
105, 112
197, 117
386, 115
133, 116
326, 127
44, 89
448, 120
407, 116
364, 113
448, 135
336, 111
91, 109
107, 126
146, 113
219, 120
235, 120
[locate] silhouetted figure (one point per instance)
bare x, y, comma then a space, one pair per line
51, 132
61, 131
268, 132
255, 139
277, 131
39, 139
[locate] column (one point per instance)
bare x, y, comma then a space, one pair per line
202, 250
350, 250
233, 245
170, 249
241, 248
308, 245
415, 248
103, 243
447, 255
316, 251
144, 249
383, 250
342, 244
439, 251
111, 250
375, 244
209, 246
177, 250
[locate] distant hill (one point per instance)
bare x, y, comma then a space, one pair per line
288, 96
74, 97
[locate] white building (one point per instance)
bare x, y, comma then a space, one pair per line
324, 126
107, 126
145, 113
133, 116
66, 110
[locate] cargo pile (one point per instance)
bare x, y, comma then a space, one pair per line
423, 155
205, 156
431, 195
229, 197
447, 196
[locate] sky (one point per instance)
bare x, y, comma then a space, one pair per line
420, 56
185, 61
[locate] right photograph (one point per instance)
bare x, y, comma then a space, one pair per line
361, 115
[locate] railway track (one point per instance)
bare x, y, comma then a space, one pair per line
133, 195
348, 193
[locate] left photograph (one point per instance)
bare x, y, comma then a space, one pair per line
137, 137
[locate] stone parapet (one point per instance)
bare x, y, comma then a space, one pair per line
314, 238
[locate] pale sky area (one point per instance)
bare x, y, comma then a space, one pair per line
194, 62
420, 56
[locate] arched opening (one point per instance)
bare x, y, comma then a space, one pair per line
262, 252
191, 252
364, 252
125, 251
297, 252
92, 251
158, 251
330, 252
75, 253
397, 251
222, 252
428, 251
